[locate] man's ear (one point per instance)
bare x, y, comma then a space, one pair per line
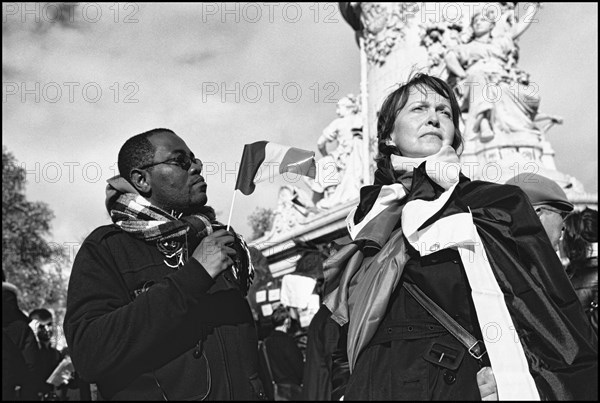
141, 181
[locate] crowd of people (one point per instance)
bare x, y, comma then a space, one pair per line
32, 366
157, 305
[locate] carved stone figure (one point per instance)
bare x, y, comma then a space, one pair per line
437, 37
383, 25
293, 208
340, 171
497, 96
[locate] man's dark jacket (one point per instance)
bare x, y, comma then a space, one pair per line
141, 330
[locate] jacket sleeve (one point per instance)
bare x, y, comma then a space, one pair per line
29, 348
111, 335
15, 371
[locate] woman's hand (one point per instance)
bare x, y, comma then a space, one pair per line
487, 384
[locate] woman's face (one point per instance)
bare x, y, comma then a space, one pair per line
424, 125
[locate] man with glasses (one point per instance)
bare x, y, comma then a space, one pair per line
549, 201
156, 306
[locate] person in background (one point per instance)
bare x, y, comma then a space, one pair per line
326, 367
48, 357
72, 387
549, 201
14, 370
580, 243
285, 358
19, 348
258, 292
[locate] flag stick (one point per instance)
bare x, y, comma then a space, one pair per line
231, 209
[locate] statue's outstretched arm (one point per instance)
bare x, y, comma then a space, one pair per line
521, 26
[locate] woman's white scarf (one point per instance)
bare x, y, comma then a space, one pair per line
511, 370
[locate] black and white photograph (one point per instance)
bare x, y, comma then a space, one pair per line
299, 201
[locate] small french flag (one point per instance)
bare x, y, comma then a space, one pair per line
263, 159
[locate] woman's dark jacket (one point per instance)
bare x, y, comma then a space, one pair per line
141, 330
549, 320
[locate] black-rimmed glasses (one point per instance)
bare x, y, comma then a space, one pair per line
183, 161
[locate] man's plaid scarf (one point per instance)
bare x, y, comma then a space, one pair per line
174, 234
138, 217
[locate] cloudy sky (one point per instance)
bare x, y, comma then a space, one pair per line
222, 76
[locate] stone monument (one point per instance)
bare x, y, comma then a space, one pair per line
340, 170
474, 46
